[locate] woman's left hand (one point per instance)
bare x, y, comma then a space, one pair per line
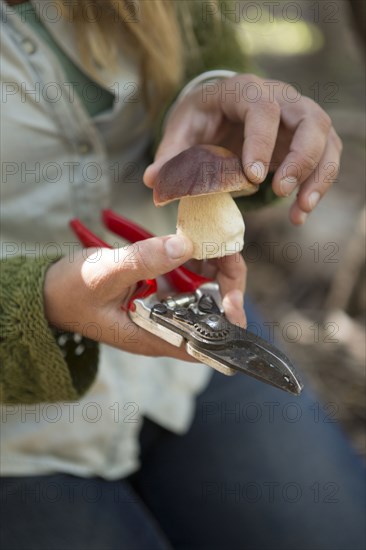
280, 131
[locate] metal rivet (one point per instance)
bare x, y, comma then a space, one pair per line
206, 303
80, 349
181, 313
62, 340
160, 308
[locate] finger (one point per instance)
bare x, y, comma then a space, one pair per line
234, 309
232, 281
261, 119
232, 273
260, 133
306, 150
153, 257
209, 268
318, 183
206, 268
120, 268
169, 151
178, 136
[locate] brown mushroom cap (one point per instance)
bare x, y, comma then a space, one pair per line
201, 170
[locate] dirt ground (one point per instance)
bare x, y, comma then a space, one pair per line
308, 281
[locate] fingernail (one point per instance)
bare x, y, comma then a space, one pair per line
175, 247
314, 198
302, 217
257, 170
145, 175
287, 185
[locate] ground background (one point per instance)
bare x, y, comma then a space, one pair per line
313, 289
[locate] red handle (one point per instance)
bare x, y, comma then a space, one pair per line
124, 228
180, 278
85, 236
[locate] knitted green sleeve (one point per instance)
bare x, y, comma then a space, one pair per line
33, 367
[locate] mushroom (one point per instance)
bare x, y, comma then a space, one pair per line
204, 177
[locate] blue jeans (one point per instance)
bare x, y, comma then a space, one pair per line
258, 470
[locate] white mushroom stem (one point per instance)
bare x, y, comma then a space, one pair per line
213, 223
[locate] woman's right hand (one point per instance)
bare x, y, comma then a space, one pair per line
84, 294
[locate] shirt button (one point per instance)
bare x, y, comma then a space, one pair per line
84, 148
29, 46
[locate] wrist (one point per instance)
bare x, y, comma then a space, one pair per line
51, 293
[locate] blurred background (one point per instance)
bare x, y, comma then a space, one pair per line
308, 281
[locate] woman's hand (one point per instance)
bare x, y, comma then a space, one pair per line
231, 274
85, 293
269, 125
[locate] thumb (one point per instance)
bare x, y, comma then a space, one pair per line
167, 150
152, 257
152, 171
177, 137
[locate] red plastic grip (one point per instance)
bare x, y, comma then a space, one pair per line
85, 236
143, 290
124, 228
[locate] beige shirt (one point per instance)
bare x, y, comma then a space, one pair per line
57, 163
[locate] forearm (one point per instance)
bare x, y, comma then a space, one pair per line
34, 368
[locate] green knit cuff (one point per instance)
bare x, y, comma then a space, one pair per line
34, 368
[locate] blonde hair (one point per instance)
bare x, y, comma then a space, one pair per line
159, 31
